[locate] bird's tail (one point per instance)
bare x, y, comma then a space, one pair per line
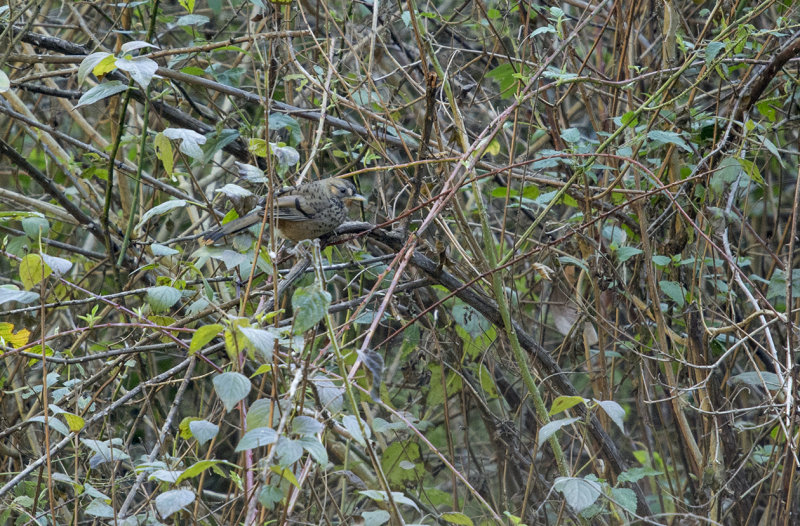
230, 228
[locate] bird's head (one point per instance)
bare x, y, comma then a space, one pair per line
346, 191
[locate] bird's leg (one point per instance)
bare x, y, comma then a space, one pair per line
301, 248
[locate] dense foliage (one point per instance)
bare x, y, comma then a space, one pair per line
569, 298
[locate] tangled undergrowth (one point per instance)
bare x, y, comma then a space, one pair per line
569, 297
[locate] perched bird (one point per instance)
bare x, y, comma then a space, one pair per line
307, 211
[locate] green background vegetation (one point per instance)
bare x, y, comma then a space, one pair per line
570, 298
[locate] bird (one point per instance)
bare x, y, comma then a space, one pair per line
307, 211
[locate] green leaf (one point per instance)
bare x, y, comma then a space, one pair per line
53, 423
579, 493
751, 169
171, 501
217, 140
549, 429
626, 498
562, 403
12, 293
487, 382
470, 319
668, 137
614, 411
98, 508
728, 171
88, 64
773, 150
288, 451
13, 339
310, 305
305, 425
183, 428
100, 92
504, 75
163, 297
269, 496
260, 341
777, 285
203, 430
454, 517
542, 30
560, 75
18, 215
315, 449
93, 492
260, 436
636, 474
231, 258
106, 65
161, 209
712, 50
674, 291
330, 395
58, 265
350, 422
453, 384
165, 475
133, 45
192, 20
761, 379
516, 521
662, 261
161, 250
381, 496
375, 518
104, 451
141, 69
203, 335
767, 109
571, 135
258, 414
257, 147
402, 463
231, 388
35, 227
629, 119
280, 121
625, 253
190, 141
570, 260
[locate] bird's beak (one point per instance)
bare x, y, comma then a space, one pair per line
356, 197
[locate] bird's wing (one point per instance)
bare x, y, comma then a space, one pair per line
292, 207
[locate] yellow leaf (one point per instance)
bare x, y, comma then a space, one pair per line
258, 147
14, 340
32, 270
74, 422
287, 475
104, 66
163, 147
183, 428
